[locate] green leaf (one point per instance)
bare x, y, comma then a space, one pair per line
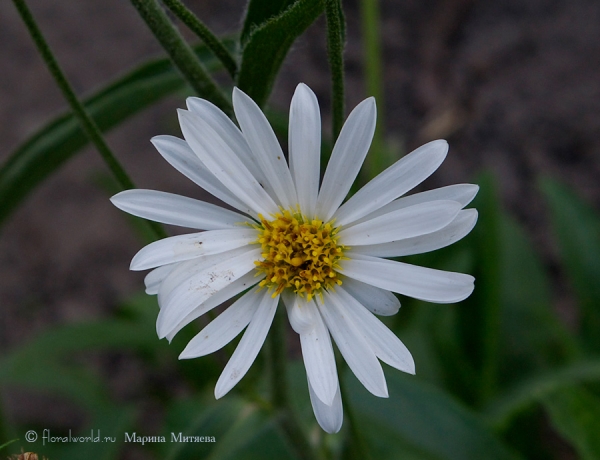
260, 11
422, 422
267, 45
106, 431
479, 315
6, 444
575, 413
256, 437
532, 337
45, 363
521, 397
62, 138
198, 418
577, 229
240, 429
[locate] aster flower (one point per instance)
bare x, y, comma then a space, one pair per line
293, 239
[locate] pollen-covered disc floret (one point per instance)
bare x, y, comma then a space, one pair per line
298, 253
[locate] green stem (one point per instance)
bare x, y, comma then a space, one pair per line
373, 71
86, 121
204, 33
8, 443
489, 288
6, 429
335, 47
181, 53
355, 439
279, 390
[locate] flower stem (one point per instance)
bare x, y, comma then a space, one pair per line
86, 121
358, 445
204, 33
279, 390
335, 47
355, 441
489, 288
369, 10
181, 53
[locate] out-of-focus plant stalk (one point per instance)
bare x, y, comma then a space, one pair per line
6, 430
370, 23
181, 53
204, 33
86, 121
489, 287
279, 389
356, 438
335, 47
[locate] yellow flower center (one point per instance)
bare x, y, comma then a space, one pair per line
298, 254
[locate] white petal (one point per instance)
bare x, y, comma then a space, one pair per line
196, 289
176, 210
451, 233
305, 147
413, 281
224, 163
189, 268
318, 356
179, 155
347, 157
463, 193
185, 247
248, 348
330, 417
233, 289
300, 318
156, 277
395, 181
416, 220
222, 330
377, 300
383, 342
228, 131
186, 270
354, 348
266, 149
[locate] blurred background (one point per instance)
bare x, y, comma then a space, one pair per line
513, 85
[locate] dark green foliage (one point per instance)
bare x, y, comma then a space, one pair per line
62, 138
268, 43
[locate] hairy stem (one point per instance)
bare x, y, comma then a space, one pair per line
335, 47
204, 33
181, 53
279, 390
86, 121
369, 10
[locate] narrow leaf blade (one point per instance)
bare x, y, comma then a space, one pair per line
268, 44
60, 139
575, 413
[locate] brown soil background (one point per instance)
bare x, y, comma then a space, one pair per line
513, 85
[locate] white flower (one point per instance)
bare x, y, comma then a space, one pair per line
295, 240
